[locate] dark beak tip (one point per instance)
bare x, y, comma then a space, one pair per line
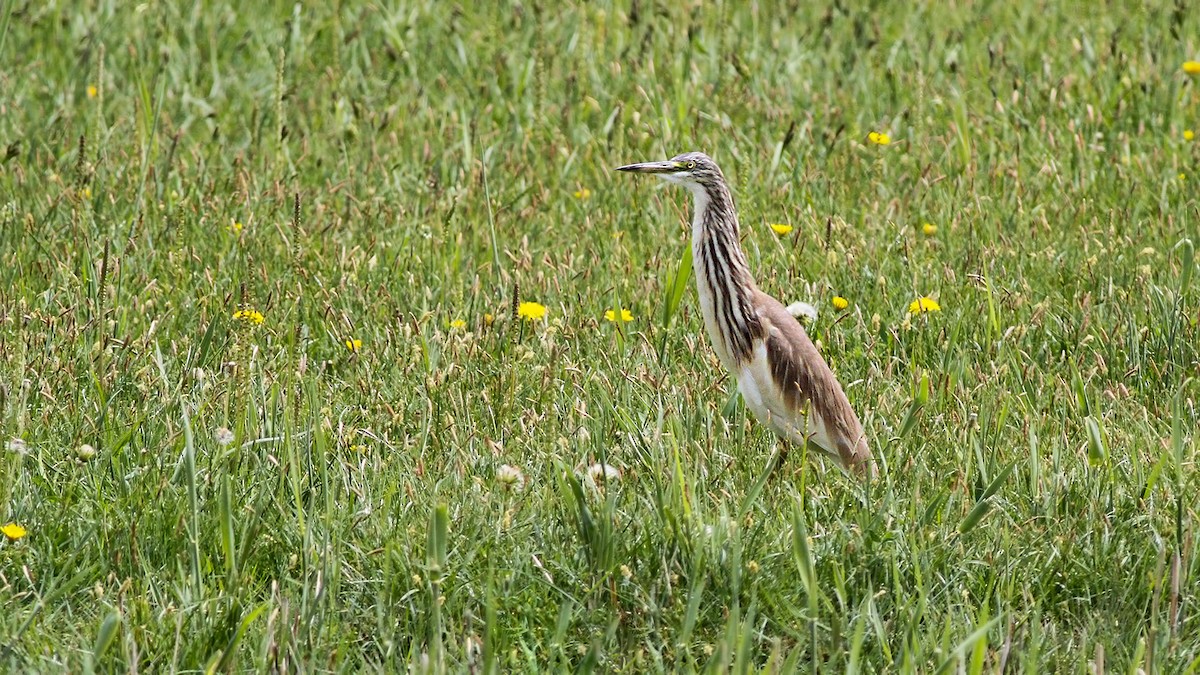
646, 167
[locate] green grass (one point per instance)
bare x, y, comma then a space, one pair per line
402, 165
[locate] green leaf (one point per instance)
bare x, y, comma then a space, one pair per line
994, 486
1187, 260
1097, 452
977, 513
958, 652
984, 504
106, 635
439, 535
920, 398
675, 291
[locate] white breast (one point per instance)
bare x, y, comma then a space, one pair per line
764, 398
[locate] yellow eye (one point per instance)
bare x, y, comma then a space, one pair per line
691, 165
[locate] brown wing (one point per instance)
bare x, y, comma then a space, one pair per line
805, 379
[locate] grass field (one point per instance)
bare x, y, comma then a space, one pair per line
267, 404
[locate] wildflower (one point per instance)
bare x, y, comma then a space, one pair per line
626, 572
1182, 176
235, 227
248, 315
879, 138
583, 194
1189, 135
488, 319
752, 567
924, 304
603, 473
531, 311
802, 311
929, 229
13, 531
85, 452
781, 229
92, 91
16, 445
510, 477
1191, 67
840, 303
87, 193
458, 324
353, 344
626, 315
223, 436
359, 448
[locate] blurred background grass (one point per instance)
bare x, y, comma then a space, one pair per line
264, 496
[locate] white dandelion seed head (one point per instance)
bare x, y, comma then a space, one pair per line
510, 477
603, 473
16, 445
85, 452
802, 311
223, 436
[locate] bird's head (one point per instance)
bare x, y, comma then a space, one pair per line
694, 170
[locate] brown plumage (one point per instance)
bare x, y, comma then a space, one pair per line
804, 378
780, 374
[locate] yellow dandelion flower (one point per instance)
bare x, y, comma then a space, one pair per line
353, 344
458, 323
929, 229
781, 229
249, 315
531, 311
1183, 176
488, 319
92, 91
583, 194
1191, 67
840, 303
626, 315
235, 227
87, 193
1189, 135
13, 531
924, 304
879, 138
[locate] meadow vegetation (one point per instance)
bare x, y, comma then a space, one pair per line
271, 400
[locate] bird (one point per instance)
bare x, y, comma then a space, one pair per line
780, 374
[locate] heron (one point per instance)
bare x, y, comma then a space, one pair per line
780, 374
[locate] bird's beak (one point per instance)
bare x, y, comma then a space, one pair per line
650, 167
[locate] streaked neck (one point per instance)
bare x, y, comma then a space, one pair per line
723, 278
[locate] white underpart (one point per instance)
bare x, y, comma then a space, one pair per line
764, 398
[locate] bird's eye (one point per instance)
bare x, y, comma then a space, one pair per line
691, 165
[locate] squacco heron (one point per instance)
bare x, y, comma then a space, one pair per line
780, 374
